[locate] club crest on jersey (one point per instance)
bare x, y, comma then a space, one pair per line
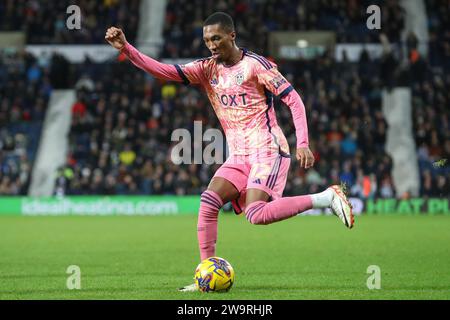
239, 79
214, 81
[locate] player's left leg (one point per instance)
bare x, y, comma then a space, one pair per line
262, 187
265, 186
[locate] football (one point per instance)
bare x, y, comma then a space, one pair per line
214, 274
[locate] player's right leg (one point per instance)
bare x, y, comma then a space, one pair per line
226, 185
219, 192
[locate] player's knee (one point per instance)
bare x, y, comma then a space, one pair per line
258, 220
255, 215
211, 199
223, 188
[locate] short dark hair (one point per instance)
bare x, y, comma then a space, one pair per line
222, 18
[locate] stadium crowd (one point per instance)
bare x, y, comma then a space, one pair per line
122, 121
24, 91
254, 19
33, 17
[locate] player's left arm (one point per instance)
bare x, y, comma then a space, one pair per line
275, 82
295, 103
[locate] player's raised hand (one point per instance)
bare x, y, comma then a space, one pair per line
306, 157
115, 37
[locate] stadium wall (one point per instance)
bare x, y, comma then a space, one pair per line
189, 205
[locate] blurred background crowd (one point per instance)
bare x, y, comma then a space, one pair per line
44, 21
120, 137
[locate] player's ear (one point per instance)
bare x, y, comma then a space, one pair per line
233, 35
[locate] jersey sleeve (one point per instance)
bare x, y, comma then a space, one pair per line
155, 68
298, 110
269, 76
191, 73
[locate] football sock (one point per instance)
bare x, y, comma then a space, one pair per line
261, 212
210, 204
322, 199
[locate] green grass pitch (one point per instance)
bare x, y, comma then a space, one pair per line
150, 257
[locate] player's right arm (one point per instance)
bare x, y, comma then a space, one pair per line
189, 73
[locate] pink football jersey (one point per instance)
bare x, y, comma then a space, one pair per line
242, 96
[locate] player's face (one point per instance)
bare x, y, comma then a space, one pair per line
218, 41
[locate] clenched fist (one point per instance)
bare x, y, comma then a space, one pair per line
115, 37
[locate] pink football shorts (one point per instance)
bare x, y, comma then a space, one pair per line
268, 173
